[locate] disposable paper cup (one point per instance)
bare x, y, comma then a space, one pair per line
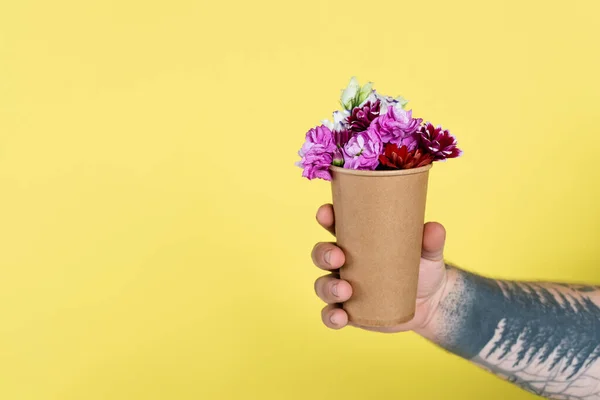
379, 218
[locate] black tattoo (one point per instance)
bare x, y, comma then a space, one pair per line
538, 337
548, 323
472, 311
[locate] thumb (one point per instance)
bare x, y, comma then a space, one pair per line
434, 237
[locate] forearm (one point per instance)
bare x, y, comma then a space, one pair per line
543, 337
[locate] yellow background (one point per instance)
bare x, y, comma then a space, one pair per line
155, 235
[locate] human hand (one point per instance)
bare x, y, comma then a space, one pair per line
334, 291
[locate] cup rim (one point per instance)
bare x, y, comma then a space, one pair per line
395, 172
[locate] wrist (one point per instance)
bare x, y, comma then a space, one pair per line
430, 329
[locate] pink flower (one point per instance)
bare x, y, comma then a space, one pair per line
321, 135
362, 151
397, 126
317, 153
315, 162
439, 142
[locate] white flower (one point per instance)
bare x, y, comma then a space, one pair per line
373, 96
354, 95
349, 93
364, 93
339, 123
386, 101
340, 119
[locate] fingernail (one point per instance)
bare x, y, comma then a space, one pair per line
334, 290
328, 257
332, 319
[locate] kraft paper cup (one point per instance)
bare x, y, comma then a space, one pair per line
379, 218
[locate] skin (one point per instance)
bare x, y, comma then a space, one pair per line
543, 337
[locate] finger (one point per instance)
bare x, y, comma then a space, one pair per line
434, 238
334, 317
332, 290
327, 256
325, 218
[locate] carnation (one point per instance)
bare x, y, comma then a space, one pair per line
321, 135
315, 162
397, 126
438, 142
362, 151
340, 138
317, 153
401, 158
361, 117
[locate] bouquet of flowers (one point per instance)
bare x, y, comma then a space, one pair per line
373, 132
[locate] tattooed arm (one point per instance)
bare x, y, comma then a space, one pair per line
542, 337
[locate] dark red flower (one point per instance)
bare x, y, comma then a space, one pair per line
361, 117
400, 158
439, 142
340, 138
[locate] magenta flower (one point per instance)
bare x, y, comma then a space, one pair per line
321, 135
397, 126
362, 151
315, 162
317, 153
439, 142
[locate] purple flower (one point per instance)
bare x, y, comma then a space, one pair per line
397, 126
317, 153
362, 151
321, 135
316, 160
